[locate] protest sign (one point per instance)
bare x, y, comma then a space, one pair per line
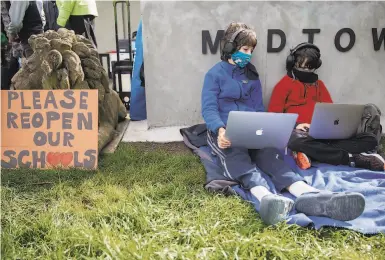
49, 129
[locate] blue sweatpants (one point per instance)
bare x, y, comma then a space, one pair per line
238, 165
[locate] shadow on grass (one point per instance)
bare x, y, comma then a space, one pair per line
28, 179
130, 164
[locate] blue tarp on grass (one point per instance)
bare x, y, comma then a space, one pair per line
326, 177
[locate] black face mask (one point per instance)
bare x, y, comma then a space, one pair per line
303, 76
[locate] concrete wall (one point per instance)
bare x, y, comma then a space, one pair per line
175, 65
105, 26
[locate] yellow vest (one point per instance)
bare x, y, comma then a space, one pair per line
75, 7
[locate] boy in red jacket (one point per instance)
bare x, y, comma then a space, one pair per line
298, 92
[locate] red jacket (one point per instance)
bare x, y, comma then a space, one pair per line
293, 96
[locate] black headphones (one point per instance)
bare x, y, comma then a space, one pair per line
290, 60
230, 46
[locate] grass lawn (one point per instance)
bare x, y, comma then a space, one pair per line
147, 202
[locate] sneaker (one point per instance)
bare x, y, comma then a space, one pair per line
302, 160
342, 206
372, 162
275, 208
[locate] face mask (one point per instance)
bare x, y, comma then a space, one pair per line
241, 58
305, 76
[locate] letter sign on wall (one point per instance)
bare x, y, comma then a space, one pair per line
337, 39
377, 40
311, 33
378, 37
207, 41
281, 34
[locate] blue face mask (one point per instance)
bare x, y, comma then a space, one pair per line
241, 58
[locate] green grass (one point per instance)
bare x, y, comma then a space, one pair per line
147, 203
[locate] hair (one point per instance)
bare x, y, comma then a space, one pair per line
247, 37
309, 54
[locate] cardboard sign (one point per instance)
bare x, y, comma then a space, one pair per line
49, 129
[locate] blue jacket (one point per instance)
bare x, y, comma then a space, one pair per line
226, 88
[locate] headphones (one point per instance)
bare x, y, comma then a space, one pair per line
230, 46
290, 60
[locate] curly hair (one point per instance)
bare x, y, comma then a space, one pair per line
247, 37
309, 56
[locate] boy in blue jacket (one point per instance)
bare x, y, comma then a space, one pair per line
233, 85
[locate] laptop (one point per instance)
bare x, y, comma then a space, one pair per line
335, 121
258, 130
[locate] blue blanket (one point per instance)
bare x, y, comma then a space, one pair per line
333, 178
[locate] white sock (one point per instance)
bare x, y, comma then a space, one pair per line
259, 192
300, 187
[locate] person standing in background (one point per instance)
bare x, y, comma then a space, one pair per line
26, 18
51, 13
9, 64
78, 15
20, 20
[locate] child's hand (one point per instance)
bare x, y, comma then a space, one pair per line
223, 142
304, 127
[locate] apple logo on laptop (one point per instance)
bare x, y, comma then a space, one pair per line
259, 132
336, 122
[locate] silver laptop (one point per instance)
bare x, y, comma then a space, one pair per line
258, 130
335, 121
